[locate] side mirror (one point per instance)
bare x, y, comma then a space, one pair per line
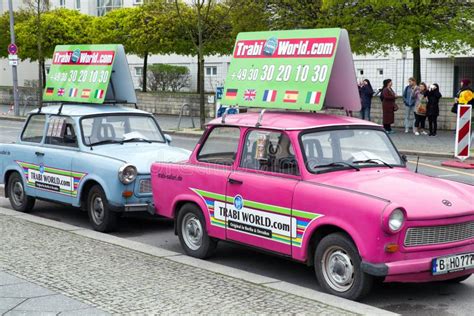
168, 138
405, 158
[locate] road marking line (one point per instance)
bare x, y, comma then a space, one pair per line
442, 168
446, 175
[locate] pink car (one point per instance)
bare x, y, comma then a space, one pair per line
328, 191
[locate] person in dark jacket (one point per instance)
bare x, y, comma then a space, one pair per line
388, 105
465, 85
432, 108
366, 93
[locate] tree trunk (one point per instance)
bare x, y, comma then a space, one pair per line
202, 108
198, 84
416, 63
40, 56
43, 73
144, 72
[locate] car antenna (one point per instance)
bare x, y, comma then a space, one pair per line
417, 161
90, 144
260, 118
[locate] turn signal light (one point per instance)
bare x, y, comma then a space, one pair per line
127, 194
391, 248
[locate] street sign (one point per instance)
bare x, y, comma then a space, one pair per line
12, 49
219, 92
298, 69
89, 74
463, 126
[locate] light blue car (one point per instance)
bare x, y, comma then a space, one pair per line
96, 157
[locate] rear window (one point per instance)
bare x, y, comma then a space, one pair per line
220, 146
34, 129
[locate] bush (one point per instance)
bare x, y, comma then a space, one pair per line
163, 77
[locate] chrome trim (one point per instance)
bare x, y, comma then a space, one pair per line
136, 207
435, 235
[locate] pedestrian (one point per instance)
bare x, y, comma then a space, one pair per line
389, 107
420, 109
409, 99
366, 93
465, 85
432, 108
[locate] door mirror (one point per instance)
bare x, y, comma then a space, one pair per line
405, 158
168, 138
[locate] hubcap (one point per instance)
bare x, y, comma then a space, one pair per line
97, 209
17, 193
338, 269
192, 231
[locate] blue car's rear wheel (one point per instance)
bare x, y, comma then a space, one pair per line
19, 200
101, 217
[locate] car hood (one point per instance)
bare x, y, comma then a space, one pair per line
423, 197
142, 155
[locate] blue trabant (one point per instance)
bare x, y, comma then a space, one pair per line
96, 157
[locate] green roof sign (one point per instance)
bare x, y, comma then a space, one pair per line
292, 70
89, 74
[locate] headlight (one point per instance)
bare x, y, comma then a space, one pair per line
396, 220
127, 174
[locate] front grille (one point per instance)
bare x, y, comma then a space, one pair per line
433, 235
145, 186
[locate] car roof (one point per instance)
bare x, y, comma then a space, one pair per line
88, 109
286, 120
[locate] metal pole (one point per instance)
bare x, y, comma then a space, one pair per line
14, 70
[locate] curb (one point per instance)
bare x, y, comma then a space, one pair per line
410, 152
13, 118
196, 134
253, 278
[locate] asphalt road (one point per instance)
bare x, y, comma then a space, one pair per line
418, 299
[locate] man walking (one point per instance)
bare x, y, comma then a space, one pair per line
409, 99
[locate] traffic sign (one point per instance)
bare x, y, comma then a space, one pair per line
12, 49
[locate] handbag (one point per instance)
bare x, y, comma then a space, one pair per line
395, 108
420, 108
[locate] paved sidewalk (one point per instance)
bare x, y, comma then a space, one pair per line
20, 297
122, 277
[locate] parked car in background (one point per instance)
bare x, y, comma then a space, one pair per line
96, 157
331, 192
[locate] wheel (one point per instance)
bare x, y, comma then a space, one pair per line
192, 232
101, 217
337, 267
459, 279
19, 200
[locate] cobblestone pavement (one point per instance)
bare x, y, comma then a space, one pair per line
124, 281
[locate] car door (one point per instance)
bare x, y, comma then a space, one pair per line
55, 180
260, 192
28, 152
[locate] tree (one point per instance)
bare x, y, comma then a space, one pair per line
295, 14
379, 26
165, 77
20, 16
205, 23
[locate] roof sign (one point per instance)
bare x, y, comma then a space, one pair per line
89, 74
298, 69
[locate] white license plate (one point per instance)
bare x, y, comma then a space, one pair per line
452, 263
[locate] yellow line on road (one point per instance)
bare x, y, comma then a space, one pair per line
442, 168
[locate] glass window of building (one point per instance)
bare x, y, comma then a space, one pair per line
104, 6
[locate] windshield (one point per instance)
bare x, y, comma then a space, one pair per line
348, 148
106, 129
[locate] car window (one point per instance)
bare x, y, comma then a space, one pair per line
104, 129
358, 146
220, 146
269, 151
34, 129
61, 131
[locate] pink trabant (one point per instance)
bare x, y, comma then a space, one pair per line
329, 191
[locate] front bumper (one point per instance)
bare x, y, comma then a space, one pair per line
136, 207
416, 269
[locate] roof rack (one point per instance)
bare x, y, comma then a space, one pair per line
61, 104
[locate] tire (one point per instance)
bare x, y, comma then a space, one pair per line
101, 217
459, 279
192, 232
19, 200
349, 281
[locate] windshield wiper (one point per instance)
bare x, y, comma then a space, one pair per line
106, 141
135, 139
374, 160
337, 164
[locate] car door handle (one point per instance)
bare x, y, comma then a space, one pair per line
38, 153
234, 181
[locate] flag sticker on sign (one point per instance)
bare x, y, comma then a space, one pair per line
86, 93
313, 97
250, 95
231, 94
49, 91
60, 92
99, 94
73, 92
291, 96
269, 95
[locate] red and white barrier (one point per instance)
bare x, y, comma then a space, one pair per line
463, 132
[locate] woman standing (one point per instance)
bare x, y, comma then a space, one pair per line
366, 93
432, 108
420, 109
388, 105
